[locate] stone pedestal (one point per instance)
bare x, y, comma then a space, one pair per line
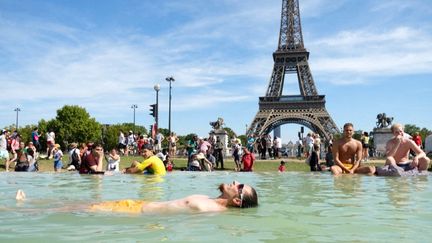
223, 136
381, 137
428, 145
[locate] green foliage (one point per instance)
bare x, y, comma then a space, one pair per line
243, 139
184, 139
357, 136
231, 133
411, 129
337, 136
25, 133
74, 124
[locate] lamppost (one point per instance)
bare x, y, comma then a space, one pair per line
169, 79
157, 88
16, 124
134, 107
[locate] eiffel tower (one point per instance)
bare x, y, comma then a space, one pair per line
291, 57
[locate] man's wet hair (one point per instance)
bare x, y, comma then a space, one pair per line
250, 200
95, 145
348, 124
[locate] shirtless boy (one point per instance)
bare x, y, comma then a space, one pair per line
398, 148
347, 153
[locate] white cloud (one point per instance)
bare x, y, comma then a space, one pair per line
364, 53
215, 52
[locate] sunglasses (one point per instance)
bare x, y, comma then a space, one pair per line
240, 191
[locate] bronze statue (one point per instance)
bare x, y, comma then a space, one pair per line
217, 124
383, 121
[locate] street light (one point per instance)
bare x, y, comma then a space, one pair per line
134, 107
169, 79
157, 88
16, 124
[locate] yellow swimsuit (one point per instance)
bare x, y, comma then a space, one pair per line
121, 206
348, 166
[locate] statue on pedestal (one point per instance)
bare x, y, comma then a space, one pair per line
382, 133
383, 121
217, 124
220, 134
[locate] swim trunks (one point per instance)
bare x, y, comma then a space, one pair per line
405, 165
348, 166
121, 206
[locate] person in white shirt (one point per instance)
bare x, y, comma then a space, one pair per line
4, 154
130, 141
58, 155
50, 137
309, 142
121, 142
158, 142
113, 161
277, 145
74, 157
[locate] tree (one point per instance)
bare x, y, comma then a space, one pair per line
74, 124
231, 133
243, 139
411, 129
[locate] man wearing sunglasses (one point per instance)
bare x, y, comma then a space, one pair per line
234, 195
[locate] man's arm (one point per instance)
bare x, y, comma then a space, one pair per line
419, 153
358, 156
131, 170
138, 167
100, 162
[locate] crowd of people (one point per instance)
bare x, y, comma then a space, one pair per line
344, 155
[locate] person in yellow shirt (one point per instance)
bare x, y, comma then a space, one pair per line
152, 164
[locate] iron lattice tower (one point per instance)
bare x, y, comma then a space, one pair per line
291, 57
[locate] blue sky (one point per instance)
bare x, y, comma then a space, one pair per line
366, 56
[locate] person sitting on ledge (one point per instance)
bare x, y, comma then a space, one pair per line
234, 195
347, 154
151, 163
398, 149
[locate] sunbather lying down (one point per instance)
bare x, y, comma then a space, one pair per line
234, 195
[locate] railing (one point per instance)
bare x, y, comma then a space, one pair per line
292, 98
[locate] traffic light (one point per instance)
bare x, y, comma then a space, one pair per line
153, 110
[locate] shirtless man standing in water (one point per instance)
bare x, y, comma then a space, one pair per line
234, 195
398, 148
347, 154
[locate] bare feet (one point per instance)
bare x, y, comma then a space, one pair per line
20, 195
